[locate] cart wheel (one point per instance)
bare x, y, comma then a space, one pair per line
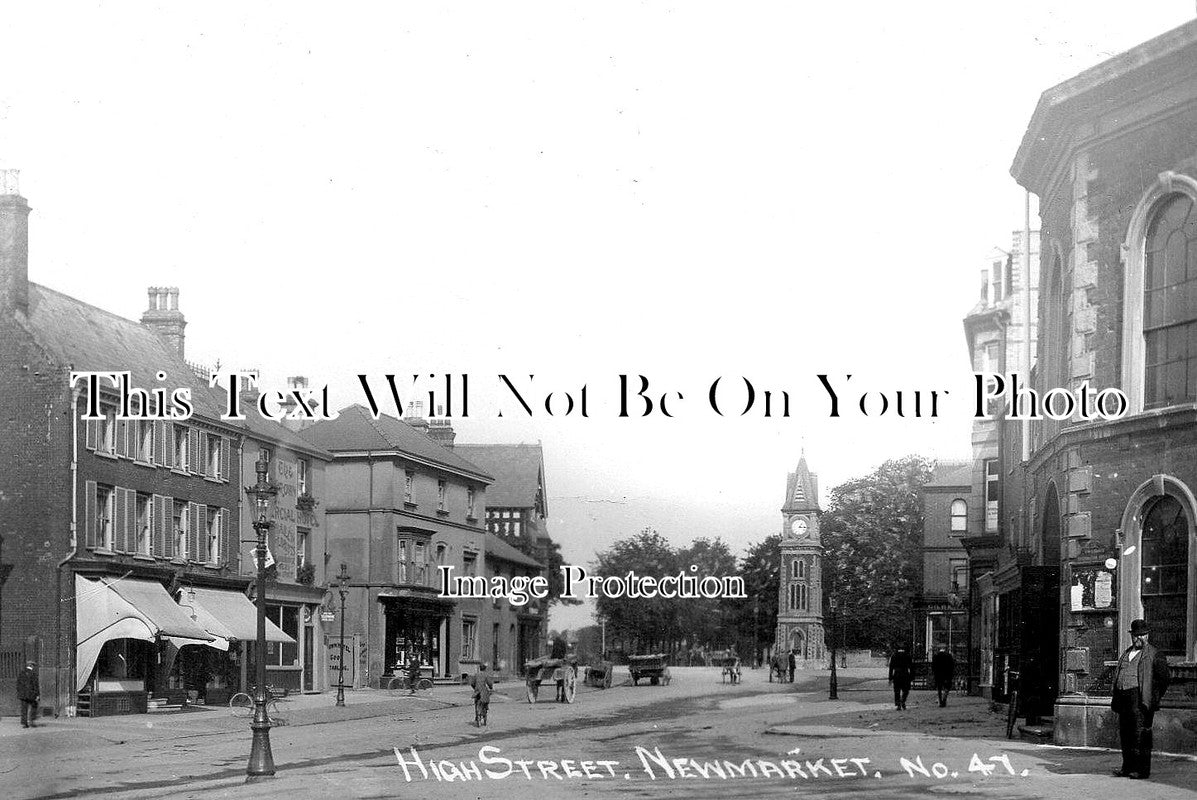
665, 676
571, 687
533, 690
607, 678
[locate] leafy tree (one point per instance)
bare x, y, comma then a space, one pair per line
757, 614
872, 537
642, 624
705, 621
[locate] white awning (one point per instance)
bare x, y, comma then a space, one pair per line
229, 616
123, 608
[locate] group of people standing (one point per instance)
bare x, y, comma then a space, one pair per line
901, 675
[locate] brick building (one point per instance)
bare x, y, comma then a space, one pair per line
1098, 516
122, 569
940, 613
399, 504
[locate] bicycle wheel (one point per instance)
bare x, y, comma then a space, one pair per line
424, 683
397, 682
241, 704
272, 713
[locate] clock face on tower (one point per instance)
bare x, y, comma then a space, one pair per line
798, 527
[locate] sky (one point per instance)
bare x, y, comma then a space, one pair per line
685, 191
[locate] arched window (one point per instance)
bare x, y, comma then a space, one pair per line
1164, 573
793, 596
794, 568
801, 568
1170, 303
959, 513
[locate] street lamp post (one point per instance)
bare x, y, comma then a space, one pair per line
756, 618
261, 761
833, 682
343, 588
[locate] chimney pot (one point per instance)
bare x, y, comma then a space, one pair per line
163, 316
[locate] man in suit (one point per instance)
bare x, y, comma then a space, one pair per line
943, 668
28, 692
1139, 681
793, 662
901, 670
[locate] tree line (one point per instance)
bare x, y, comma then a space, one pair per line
871, 532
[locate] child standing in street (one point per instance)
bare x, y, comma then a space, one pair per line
483, 686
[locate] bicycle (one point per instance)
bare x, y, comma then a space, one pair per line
401, 682
1012, 708
241, 705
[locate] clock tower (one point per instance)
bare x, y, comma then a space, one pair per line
800, 605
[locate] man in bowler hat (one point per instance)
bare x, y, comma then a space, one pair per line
28, 692
943, 668
1139, 681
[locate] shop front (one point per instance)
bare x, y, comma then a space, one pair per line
415, 627
123, 627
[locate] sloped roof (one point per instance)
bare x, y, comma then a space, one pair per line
87, 338
951, 473
355, 431
498, 548
802, 488
518, 470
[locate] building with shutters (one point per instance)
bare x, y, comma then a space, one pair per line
121, 567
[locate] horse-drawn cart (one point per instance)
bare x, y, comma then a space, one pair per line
599, 675
562, 671
653, 667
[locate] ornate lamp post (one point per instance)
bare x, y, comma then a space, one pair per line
261, 761
343, 588
833, 682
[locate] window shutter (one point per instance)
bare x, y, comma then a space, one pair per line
168, 445
92, 433
120, 520
225, 443
159, 443
220, 543
199, 522
89, 521
192, 451
164, 539
203, 453
131, 530
122, 437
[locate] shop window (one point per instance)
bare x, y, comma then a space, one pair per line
105, 514
1170, 303
1164, 574
959, 516
469, 640
283, 654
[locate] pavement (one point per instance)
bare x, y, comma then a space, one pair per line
767, 739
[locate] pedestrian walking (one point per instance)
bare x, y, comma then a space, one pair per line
413, 673
793, 662
28, 692
483, 685
943, 669
1139, 681
901, 669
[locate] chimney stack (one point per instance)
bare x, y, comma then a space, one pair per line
14, 245
440, 429
163, 316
